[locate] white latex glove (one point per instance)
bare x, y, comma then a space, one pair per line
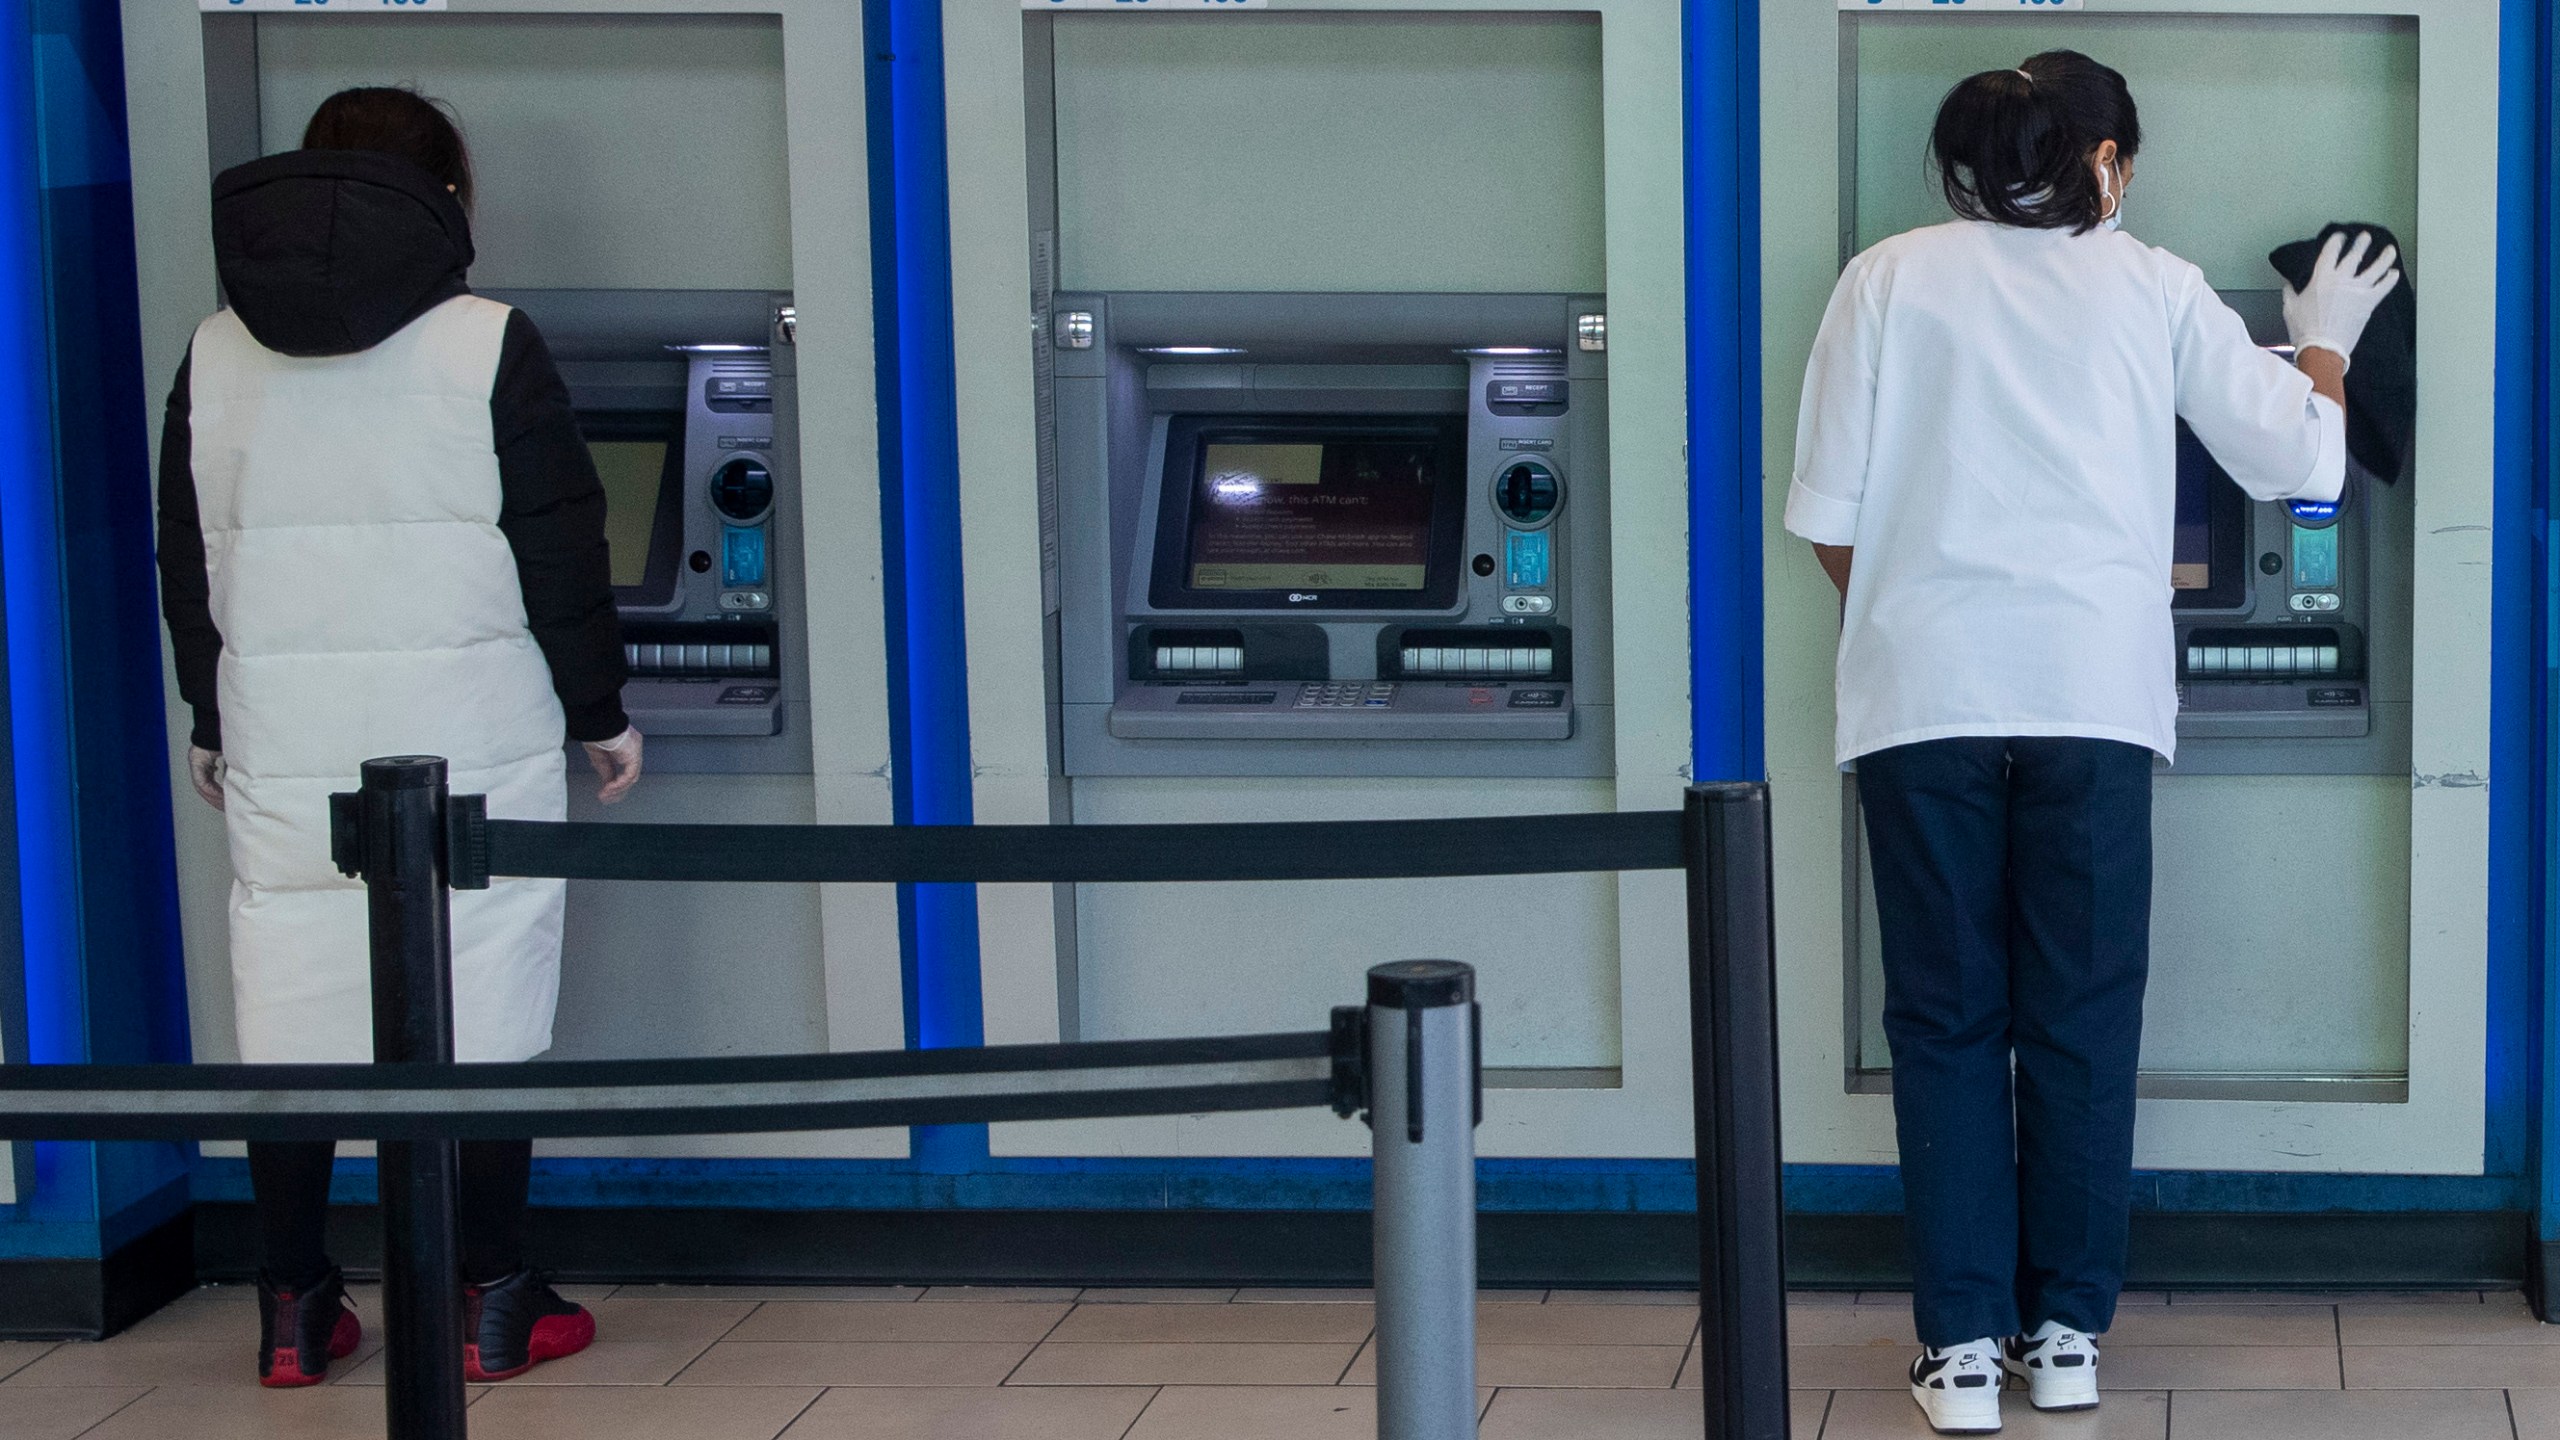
2330, 312
617, 763
204, 767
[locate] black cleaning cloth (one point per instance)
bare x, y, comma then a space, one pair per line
2382, 383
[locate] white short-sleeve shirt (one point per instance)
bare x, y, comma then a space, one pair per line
1989, 416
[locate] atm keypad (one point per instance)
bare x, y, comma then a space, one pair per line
1348, 695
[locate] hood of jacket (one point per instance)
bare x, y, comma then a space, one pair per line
328, 252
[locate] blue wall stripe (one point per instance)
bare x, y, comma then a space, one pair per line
1616, 1186
921, 465
1721, 104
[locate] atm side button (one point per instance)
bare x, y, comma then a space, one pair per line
1231, 657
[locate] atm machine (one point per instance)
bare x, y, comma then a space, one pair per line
1346, 539
690, 417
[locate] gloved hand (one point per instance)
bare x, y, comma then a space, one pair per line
204, 768
617, 763
2330, 312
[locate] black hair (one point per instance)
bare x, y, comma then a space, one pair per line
2013, 146
396, 121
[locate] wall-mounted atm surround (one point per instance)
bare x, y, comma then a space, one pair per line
2319, 868
676, 158
1576, 193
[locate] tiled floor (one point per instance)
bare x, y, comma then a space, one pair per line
851, 1363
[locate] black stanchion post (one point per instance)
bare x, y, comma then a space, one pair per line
403, 837
1733, 1019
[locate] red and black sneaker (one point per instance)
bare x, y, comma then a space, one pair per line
301, 1331
516, 1324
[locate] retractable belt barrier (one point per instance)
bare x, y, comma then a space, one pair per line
1409, 1061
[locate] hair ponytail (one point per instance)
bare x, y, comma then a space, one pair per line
2012, 146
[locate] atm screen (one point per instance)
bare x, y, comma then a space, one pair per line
1273, 512
639, 457
2209, 555
630, 471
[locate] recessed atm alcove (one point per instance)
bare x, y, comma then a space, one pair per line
2318, 925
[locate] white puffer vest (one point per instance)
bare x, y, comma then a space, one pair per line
368, 606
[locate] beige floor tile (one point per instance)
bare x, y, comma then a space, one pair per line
2537, 1413
926, 1320
247, 1413
2223, 1325
1688, 1298
1890, 1415
1850, 1325
1553, 1324
2220, 1367
606, 1362
1178, 1364
1047, 1293
233, 1365
1834, 1367
1814, 1298
667, 1322
1634, 1367
1260, 1324
587, 1294
1884, 1297
1020, 1413
1311, 1295
1610, 1415
1269, 1412
1491, 1296
570, 1413
2452, 1367
189, 1321
741, 1362
17, 1355
1159, 1296
2354, 1415
61, 1412
770, 1292
2506, 1322
2325, 1297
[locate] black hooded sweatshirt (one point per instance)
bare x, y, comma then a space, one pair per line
331, 252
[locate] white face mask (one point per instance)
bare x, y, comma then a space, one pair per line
2113, 200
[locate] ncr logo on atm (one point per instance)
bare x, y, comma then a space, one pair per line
1301, 597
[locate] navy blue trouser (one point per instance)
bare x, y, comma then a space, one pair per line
2013, 879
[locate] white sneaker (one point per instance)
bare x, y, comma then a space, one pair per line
2059, 1365
1958, 1388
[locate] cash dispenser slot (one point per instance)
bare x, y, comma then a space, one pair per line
1171, 654
719, 678
2273, 653
1493, 653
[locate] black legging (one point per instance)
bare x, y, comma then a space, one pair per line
291, 1179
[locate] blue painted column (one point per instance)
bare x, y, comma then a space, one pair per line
1722, 166
95, 912
920, 510
2529, 262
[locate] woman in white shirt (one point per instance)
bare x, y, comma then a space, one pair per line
1989, 431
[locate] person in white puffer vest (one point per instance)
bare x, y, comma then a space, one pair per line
381, 533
